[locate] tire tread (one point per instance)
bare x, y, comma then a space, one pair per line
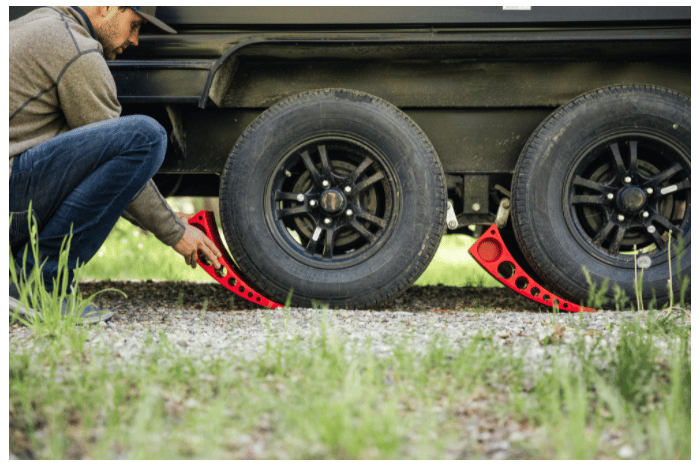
412, 271
521, 222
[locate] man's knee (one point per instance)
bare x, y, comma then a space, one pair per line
148, 131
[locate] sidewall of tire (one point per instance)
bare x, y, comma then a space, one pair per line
548, 241
421, 195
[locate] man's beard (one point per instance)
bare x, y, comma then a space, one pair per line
110, 53
104, 34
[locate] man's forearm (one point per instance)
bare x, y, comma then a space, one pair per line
150, 211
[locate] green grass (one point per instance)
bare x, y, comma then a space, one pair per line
129, 253
56, 312
69, 400
325, 397
454, 266
643, 395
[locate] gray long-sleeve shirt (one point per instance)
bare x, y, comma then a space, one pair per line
59, 81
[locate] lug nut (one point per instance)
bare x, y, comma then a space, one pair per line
347, 189
651, 229
609, 196
645, 214
350, 212
328, 221
621, 218
628, 179
300, 197
649, 191
313, 203
325, 183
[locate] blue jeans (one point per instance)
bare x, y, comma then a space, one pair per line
82, 179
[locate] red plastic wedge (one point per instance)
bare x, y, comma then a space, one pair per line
489, 250
231, 278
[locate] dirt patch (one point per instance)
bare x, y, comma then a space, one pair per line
191, 295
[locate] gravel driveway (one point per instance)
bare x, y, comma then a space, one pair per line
230, 325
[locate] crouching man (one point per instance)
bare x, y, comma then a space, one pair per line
71, 155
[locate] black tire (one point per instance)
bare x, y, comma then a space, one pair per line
383, 232
563, 216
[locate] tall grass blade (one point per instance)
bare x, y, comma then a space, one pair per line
288, 298
671, 285
57, 311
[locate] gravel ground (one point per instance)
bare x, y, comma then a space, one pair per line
235, 328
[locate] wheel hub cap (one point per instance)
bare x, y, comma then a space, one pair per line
631, 199
332, 201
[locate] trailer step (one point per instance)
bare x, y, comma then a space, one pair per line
231, 278
491, 253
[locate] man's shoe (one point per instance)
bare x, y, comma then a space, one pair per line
19, 308
89, 315
14, 291
16, 306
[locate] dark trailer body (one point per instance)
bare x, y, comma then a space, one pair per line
477, 81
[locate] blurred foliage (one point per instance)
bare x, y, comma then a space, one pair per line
132, 253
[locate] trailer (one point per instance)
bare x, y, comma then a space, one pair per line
344, 141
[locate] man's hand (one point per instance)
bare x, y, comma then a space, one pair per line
193, 241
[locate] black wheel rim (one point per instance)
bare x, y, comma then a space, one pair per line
626, 194
332, 202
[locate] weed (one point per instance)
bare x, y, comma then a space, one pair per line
325, 396
58, 310
684, 287
639, 394
555, 337
685, 281
596, 297
653, 302
288, 298
633, 363
638, 280
670, 284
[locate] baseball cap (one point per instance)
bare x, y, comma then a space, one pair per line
149, 14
